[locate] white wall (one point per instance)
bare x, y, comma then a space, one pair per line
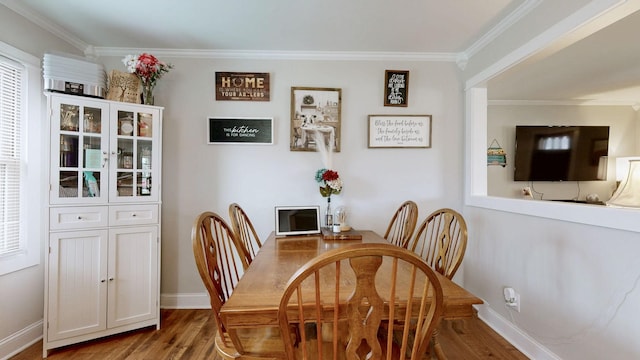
502, 120
578, 283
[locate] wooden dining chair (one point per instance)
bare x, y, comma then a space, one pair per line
402, 224
340, 299
217, 259
245, 232
441, 240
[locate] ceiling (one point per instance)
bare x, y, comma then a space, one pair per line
596, 69
432, 26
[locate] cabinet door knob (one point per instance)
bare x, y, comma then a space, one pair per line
103, 280
133, 215
79, 217
110, 279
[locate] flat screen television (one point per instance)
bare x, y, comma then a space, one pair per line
560, 153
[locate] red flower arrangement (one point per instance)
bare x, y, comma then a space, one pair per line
148, 69
330, 182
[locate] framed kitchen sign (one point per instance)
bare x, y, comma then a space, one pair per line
239, 130
396, 91
241, 86
315, 112
399, 131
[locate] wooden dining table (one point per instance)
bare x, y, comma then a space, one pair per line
255, 300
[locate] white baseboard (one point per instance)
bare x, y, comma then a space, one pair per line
185, 301
20, 340
520, 340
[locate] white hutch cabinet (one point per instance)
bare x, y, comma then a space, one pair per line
102, 267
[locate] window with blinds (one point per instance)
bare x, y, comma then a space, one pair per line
11, 74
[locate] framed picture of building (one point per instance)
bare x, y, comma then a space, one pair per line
396, 92
315, 114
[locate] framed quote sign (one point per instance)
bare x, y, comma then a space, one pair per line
396, 91
242, 86
399, 131
239, 130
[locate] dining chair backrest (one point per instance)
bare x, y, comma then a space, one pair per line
402, 224
216, 256
441, 240
245, 232
368, 284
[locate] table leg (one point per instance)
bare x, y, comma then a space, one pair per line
437, 348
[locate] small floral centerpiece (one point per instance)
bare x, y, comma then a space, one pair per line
330, 182
148, 69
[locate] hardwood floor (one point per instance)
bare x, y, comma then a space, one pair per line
188, 334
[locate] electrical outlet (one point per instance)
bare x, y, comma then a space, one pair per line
512, 298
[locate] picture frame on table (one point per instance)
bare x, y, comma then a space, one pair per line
315, 110
399, 131
396, 88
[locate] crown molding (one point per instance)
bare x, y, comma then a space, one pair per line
501, 27
282, 55
585, 102
556, 35
46, 24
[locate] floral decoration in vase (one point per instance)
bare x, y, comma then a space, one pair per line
330, 183
149, 70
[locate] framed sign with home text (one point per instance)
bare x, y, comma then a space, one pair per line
242, 86
240, 130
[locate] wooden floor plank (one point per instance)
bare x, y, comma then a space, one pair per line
472, 339
189, 334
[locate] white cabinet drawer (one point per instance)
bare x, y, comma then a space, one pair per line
64, 218
133, 215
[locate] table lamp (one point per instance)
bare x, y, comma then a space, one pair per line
628, 192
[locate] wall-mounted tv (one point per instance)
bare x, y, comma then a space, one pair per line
560, 153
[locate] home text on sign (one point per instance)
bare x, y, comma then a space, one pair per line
242, 86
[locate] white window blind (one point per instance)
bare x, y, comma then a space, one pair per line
10, 154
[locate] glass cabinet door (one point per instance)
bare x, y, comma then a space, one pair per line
79, 149
135, 148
